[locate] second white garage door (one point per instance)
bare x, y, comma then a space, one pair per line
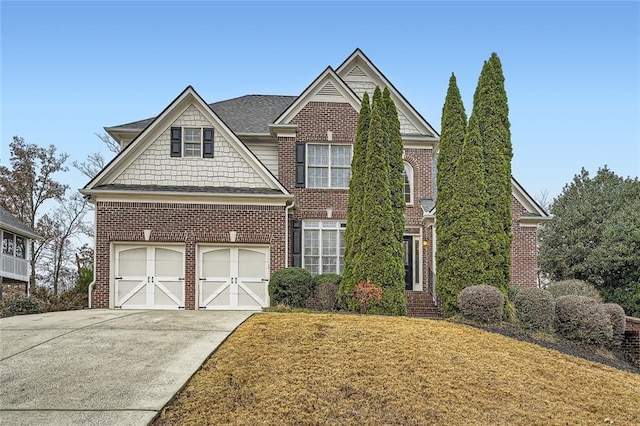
233, 278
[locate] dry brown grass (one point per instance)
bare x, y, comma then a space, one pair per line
355, 370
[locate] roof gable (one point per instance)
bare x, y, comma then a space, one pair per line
361, 75
327, 87
146, 160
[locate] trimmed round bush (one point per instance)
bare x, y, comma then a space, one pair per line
618, 322
483, 303
535, 308
574, 287
290, 287
20, 304
583, 319
512, 290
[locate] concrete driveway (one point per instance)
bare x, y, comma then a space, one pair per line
102, 367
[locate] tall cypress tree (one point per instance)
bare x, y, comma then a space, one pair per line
378, 258
355, 204
490, 105
453, 128
468, 231
395, 150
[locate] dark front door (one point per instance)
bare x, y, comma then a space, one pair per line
407, 259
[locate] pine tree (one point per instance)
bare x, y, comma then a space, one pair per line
468, 231
378, 258
490, 105
454, 124
355, 204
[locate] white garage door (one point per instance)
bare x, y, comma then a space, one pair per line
149, 277
234, 278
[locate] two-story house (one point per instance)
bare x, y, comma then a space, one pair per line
16, 240
205, 201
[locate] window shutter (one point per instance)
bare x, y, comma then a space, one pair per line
176, 142
207, 143
300, 154
296, 236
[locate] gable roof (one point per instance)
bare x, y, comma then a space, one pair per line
328, 86
13, 224
245, 115
105, 179
367, 68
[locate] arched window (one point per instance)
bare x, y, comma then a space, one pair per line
408, 183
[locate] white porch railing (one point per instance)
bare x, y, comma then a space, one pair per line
14, 267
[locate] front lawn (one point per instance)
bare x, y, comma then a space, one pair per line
347, 369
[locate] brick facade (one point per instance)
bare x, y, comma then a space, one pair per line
189, 224
524, 250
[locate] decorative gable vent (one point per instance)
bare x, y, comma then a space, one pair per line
329, 90
356, 72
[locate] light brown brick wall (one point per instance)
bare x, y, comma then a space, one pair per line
189, 224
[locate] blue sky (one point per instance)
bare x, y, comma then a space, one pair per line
572, 69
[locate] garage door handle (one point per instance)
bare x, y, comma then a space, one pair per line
180, 278
264, 280
202, 279
117, 278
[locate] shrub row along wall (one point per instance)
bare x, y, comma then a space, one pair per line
631, 343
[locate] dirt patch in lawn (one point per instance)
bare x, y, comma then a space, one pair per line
348, 369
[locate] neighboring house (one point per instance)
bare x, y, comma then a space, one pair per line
16, 239
205, 201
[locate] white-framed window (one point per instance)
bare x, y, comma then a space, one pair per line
192, 141
408, 183
14, 245
328, 165
323, 246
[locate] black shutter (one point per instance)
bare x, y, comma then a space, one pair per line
176, 142
207, 143
296, 237
300, 165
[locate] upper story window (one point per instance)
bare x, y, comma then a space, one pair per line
408, 183
328, 165
194, 142
14, 245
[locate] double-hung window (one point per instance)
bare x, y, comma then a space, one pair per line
408, 183
192, 141
328, 165
323, 247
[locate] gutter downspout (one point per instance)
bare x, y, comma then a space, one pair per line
95, 227
286, 233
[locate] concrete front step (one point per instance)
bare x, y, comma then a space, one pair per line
420, 304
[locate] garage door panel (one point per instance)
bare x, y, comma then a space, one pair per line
251, 263
233, 277
216, 263
133, 262
168, 263
132, 292
149, 277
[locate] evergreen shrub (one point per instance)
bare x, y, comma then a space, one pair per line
574, 287
583, 319
325, 292
535, 308
483, 303
20, 304
618, 321
291, 287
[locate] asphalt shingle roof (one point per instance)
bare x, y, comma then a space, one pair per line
10, 222
192, 189
244, 115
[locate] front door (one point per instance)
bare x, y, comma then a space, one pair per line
407, 260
